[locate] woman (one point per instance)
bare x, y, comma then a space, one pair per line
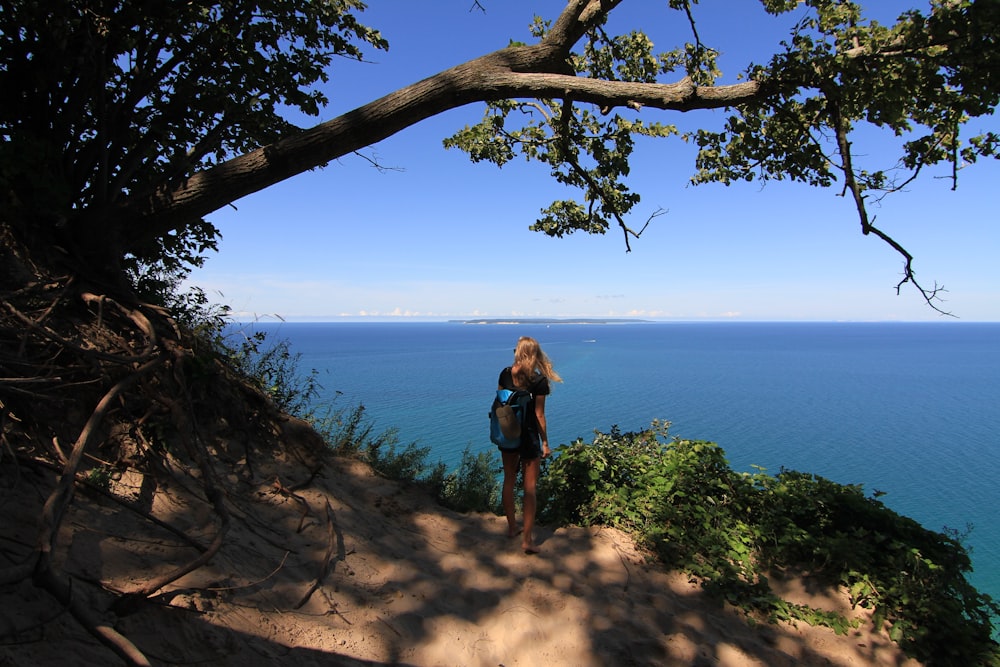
533, 371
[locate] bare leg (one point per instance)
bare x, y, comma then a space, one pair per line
511, 462
532, 467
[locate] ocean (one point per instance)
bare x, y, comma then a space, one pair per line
911, 410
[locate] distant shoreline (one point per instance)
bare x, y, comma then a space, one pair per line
577, 320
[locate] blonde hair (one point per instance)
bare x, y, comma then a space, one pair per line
529, 360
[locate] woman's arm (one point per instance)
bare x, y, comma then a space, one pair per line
542, 426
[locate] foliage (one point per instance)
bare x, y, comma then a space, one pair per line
99, 476
407, 464
474, 486
106, 103
922, 79
274, 369
586, 151
837, 71
729, 530
682, 498
349, 432
913, 578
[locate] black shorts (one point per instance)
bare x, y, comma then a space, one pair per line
531, 447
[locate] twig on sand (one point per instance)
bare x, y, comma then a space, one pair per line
332, 541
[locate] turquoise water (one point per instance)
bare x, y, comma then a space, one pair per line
908, 409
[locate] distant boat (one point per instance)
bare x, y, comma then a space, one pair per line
590, 340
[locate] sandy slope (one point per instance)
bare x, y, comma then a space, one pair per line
406, 582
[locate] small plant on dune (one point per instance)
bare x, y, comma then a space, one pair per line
474, 486
407, 464
274, 369
346, 431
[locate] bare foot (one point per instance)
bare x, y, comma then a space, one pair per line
530, 549
511, 534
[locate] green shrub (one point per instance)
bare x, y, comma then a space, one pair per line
681, 500
274, 369
475, 485
604, 482
347, 432
913, 578
407, 464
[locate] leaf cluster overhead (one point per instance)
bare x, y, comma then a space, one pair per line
108, 103
921, 80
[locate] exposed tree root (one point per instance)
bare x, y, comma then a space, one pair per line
55, 506
212, 491
113, 377
107, 635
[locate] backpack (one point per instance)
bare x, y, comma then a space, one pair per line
508, 417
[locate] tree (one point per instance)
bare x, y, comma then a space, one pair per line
124, 124
124, 128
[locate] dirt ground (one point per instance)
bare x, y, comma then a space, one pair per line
352, 569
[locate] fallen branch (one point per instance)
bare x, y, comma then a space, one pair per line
54, 337
333, 541
282, 490
135, 315
253, 583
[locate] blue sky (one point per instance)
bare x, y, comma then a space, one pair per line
438, 237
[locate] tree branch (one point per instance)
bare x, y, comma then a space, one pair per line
532, 71
851, 184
